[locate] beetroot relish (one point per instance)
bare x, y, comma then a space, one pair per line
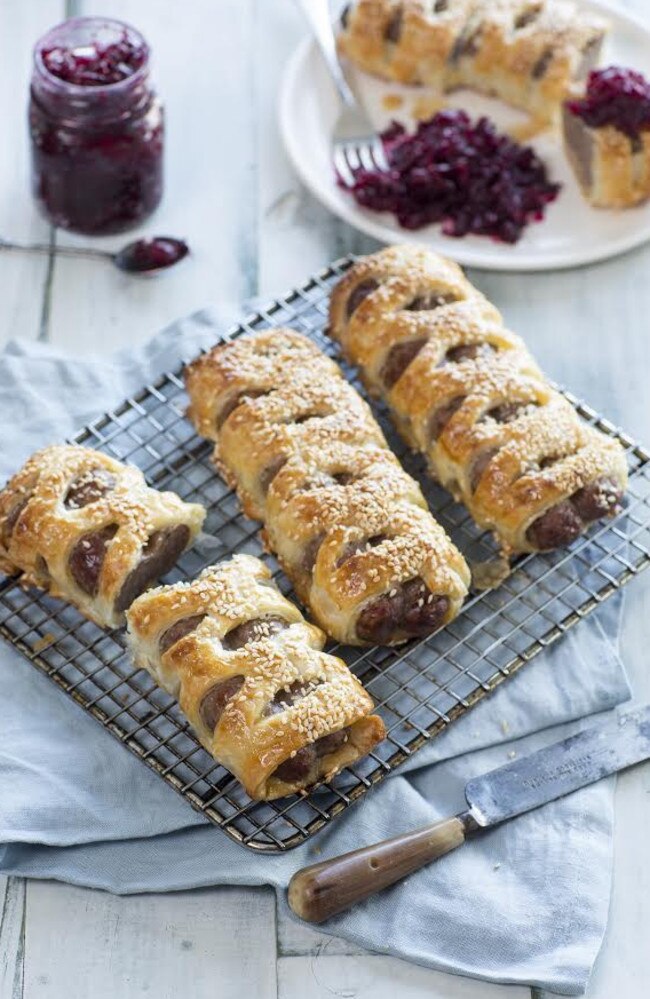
463, 174
96, 64
615, 96
96, 127
151, 254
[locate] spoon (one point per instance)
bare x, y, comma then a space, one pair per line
144, 256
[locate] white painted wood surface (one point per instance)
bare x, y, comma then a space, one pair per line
254, 230
23, 279
201, 944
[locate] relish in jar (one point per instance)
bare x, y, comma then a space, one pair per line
96, 127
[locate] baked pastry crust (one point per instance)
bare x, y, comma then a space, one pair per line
526, 52
281, 695
350, 528
612, 168
468, 395
88, 529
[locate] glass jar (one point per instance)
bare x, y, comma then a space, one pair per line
96, 127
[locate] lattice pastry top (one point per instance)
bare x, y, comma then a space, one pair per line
466, 393
251, 677
527, 52
350, 527
88, 529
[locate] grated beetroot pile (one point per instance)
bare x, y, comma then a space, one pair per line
463, 174
615, 96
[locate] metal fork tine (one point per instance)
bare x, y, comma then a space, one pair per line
352, 157
341, 166
364, 152
378, 155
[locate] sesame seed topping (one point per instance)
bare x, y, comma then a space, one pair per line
313, 693
473, 399
55, 521
334, 481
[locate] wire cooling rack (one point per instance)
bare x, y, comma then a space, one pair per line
419, 688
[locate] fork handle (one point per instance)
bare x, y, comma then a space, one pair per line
318, 15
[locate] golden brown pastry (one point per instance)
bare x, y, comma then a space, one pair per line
88, 529
526, 52
466, 393
250, 675
612, 169
350, 528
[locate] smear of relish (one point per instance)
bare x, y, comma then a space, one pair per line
615, 96
460, 173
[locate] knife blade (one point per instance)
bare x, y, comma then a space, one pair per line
559, 769
322, 890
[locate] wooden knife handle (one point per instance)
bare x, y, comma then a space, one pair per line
325, 889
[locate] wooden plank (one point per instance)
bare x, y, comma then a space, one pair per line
373, 977
204, 77
12, 910
300, 940
588, 330
207, 943
297, 235
622, 966
23, 277
604, 347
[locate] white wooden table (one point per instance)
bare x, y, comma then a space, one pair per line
254, 230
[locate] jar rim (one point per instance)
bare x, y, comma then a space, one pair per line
65, 86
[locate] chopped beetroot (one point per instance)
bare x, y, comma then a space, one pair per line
464, 174
96, 64
615, 96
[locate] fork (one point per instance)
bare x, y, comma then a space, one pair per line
355, 143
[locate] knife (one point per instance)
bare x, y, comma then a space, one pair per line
325, 889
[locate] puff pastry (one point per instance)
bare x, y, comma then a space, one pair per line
250, 675
466, 393
88, 529
526, 52
350, 528
612, 168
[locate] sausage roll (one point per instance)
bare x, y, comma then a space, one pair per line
350, 528
88, 529
250, 675
466, 393
527, 52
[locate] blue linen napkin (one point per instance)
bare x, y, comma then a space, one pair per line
526, 903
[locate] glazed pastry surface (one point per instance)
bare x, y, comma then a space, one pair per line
527, 52
252, 679
465, 392
350, 528
88, 529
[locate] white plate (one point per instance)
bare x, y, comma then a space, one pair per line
571, 233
